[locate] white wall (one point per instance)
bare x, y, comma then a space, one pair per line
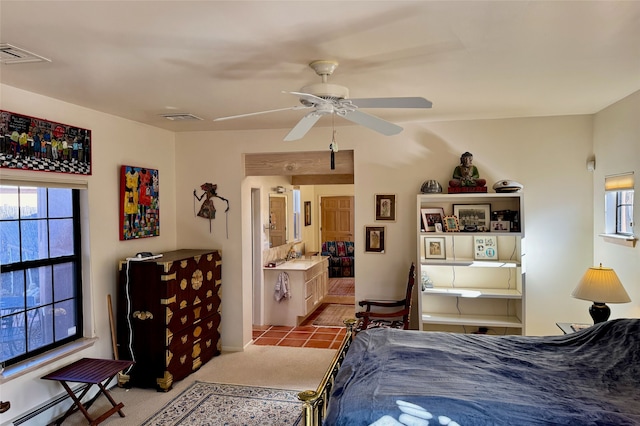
617, 150
546, 154
115, 142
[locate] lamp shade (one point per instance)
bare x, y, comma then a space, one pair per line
601, 285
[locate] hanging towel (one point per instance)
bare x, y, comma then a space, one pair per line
282, 287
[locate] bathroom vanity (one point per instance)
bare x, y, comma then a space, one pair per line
308, 282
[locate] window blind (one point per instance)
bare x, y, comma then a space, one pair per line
619, 182
49, 182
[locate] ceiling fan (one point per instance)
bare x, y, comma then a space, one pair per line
325, 98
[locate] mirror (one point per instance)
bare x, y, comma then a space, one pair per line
278, 219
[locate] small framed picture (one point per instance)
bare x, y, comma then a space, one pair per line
432, 217
386, 207
434, 248
451, 224
473, 217
485, 248
307, 213
374, 239
500, 226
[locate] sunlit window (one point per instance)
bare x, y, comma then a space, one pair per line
619, 204
40, 294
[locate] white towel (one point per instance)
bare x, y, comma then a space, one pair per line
282, 287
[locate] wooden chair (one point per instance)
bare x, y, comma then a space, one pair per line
386, 317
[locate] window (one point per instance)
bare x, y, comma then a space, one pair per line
40, 294
619, 205
297, 235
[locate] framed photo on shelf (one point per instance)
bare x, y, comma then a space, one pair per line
374, 239
307, 213
451, 224
434, 248
431, 217
473, 217
500, 226
485, 248
386, 207
512, 217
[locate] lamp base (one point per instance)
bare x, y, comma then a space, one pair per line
599, 312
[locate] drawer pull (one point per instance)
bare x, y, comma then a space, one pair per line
143, 315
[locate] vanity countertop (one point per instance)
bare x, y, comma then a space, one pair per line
299, 264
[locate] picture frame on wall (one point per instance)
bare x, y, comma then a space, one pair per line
435, 248
307, 213
31, 143
473, 217
485, 248
431, 217
139, 203
374, 239
386, 207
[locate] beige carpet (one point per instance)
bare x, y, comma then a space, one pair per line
266, 366
334, 315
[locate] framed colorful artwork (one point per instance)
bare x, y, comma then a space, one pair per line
374, 239
485, 248
30, 143
139, 203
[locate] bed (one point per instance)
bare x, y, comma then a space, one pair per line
394, 377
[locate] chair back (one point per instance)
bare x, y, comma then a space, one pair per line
410, 283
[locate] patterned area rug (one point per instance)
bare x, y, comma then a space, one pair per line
334, 315
232, 405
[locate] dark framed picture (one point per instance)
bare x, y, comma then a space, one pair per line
434, 248
139, 203
451, 224
431, 217
473, 217
307, 213
512, 217
386, 207
500, 226
374, 239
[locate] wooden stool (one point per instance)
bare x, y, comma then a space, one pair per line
89, 371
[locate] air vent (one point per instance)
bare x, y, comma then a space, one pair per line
181, 117
14, 55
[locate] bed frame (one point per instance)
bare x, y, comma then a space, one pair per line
314, 402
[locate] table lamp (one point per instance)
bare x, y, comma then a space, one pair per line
600, 285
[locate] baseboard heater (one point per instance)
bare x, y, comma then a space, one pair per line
51, 404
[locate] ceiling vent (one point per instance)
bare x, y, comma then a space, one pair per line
14, 55
181, 117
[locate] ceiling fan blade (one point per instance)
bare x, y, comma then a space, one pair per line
302, 127
373, 122
261, 112
308, 97
410, 102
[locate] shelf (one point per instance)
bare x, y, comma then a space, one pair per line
471, 263
493, 293
469, 234
472, 320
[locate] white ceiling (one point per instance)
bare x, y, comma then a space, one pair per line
476, 59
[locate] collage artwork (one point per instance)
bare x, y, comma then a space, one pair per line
139, 208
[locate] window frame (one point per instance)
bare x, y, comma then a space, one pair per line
75, 259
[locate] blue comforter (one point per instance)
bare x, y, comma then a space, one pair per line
591, 377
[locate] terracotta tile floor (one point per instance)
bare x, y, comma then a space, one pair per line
307, 336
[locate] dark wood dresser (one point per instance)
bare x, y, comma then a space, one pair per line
168, 316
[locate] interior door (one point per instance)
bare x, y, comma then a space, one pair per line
337, 218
